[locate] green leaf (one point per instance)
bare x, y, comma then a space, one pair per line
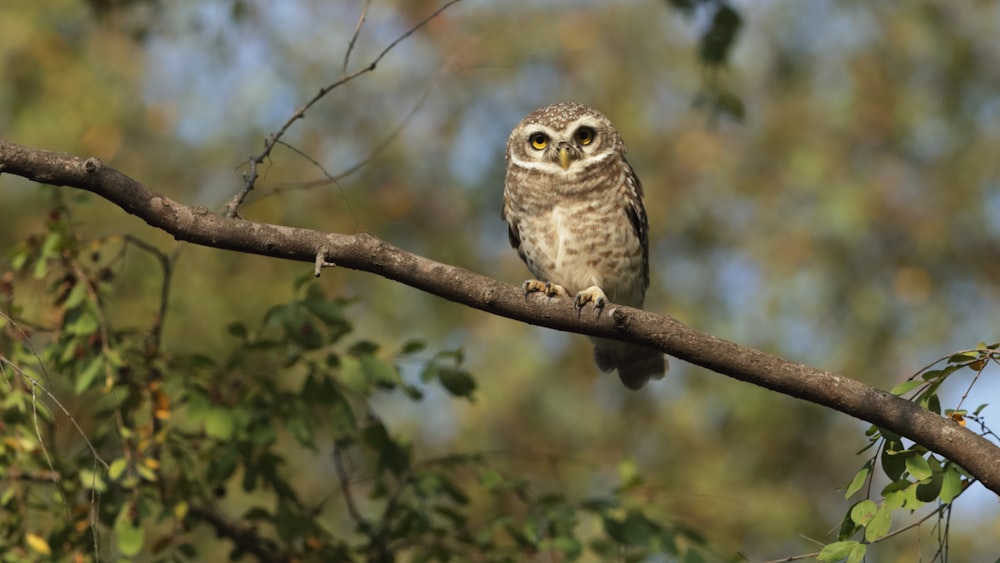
490, 478
863, 512
81, 321
458, 382
637, 529
894, 494
352, 375
145, 472
128, 534
859, 480
963, 357
116, 468
951, 484
76, 296
412, 347
363, 348
894, 459
918, 467
92, 480
879, 525
379, 372
837, 551
219, 424
857, 553
929, 489
848, 527
906, 387
89, 373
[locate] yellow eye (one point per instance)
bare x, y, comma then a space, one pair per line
584, 135
538, 140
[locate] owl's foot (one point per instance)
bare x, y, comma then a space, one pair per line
592, 294
548, 288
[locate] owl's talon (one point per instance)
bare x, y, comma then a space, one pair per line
592, 294
548, 288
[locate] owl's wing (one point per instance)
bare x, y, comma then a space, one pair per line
512, 230
637, 216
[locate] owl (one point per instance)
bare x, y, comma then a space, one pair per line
573, 208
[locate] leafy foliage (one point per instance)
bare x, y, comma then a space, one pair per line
114, 448
916, 476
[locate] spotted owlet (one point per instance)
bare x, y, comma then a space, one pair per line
573, 207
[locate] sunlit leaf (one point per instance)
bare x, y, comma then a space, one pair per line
880, 523
90, 372
951, 484
219, 424
859, 480
863, 512
906, 387
128, 533
836, 551
116, 468
37, 544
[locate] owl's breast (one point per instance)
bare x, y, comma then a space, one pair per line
585, 243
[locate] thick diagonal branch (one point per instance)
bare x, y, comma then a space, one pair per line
367, 253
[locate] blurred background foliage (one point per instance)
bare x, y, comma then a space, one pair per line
822, 183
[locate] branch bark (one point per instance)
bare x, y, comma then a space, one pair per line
364, 252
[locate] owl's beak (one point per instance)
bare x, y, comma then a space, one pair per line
564, 157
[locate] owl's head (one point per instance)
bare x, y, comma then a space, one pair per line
563, 138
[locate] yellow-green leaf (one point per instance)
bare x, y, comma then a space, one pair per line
37, 544
906, 387
951, 486
219, 424
836, 551
863, 512
879, 525
89, 373
128, 534
116, 468
859, 480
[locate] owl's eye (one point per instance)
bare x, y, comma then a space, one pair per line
584, 135
538, 140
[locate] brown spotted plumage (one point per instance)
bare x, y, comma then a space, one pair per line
573, 207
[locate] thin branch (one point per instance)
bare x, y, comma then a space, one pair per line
336, 178
345, 487
38, 384
354, 36
269, 144
364, 252
166, 269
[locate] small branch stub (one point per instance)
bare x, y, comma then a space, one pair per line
321, 262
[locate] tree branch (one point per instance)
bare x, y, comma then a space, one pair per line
364, 252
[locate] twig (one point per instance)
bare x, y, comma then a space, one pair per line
354, 36
272, 140
49, 394
166, 267
336, 178
345, 488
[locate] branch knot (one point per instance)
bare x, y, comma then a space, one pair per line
92, 165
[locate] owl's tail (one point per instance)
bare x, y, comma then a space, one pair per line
635, 364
